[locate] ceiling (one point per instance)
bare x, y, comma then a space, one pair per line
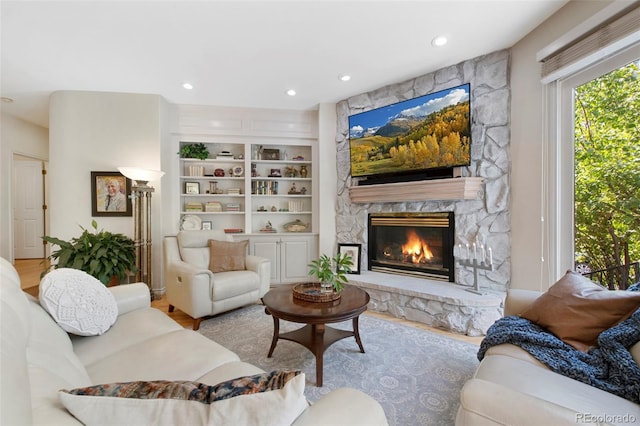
243, 53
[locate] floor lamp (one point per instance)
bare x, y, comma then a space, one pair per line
141, 200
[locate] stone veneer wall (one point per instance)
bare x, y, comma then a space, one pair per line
485, 219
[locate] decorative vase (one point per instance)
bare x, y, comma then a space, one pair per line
303, 171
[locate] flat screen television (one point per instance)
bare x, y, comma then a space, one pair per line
410, 139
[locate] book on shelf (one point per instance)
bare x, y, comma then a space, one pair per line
264, 187
193, 207
233, 207
196, 170
233, 191
213, 206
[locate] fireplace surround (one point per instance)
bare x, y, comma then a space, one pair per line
417, 244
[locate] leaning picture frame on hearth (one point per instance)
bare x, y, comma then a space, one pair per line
354, 251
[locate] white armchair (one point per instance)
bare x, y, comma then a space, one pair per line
195, 290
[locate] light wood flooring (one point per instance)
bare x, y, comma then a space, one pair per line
30, 270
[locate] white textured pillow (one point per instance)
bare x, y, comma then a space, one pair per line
268, 399
78, 302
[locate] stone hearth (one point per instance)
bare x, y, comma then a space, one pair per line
435, 303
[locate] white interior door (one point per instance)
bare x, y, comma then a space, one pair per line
28, 213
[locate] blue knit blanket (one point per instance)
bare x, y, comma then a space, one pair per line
609, 367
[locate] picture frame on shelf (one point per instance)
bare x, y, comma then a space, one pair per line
110, 194
354, 250
270, 154
275, 173
207, 225
192, 187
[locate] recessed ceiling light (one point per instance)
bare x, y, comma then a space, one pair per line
187, 86
344, 77
291, 92
7, 100
439, 41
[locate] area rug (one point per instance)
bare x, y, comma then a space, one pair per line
414, 374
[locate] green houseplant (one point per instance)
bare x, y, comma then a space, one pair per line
101, 254
194, 150
331, 271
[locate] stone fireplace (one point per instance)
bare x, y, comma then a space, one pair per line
416, 244
483, 217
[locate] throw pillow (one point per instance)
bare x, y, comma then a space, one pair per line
577, 310
78, 302
275, 398
227, 255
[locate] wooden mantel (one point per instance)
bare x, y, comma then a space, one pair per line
461, 188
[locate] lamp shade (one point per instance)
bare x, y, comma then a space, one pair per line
141, 175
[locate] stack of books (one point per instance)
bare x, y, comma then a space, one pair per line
224, 155
193, 207
213, 206
233, 230
233, 207
233, 191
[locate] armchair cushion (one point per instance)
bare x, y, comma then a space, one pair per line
275, 398
227, 256
577, 310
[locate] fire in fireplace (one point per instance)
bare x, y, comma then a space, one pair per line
419, 244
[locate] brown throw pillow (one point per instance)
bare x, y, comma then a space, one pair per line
577, 310
227, 255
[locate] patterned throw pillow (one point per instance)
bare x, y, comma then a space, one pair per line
275, 398
78, 302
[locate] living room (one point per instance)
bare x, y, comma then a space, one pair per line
96, 130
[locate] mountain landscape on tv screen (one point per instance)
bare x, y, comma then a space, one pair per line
432, 131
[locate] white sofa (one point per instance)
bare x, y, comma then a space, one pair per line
38, 358
511, 387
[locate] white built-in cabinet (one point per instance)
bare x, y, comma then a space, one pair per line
261, 174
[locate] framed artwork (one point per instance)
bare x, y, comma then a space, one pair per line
270, 154
354, 251
192, 188
206, 225
110, 194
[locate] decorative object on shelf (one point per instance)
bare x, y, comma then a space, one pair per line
206, 225
190, 223
224, 155
237, 171
254, 171
290, 172
141, 198
296, 226
274, 209
218, 172
270, 154
116, 254
268, 228
298, 158
275, 173
312, 292
261, 209
303, 190
213, 186
303, 171
109, 194
192, 188
353, 251
233, 230
194, 150
477, 256
293, 190
331, 271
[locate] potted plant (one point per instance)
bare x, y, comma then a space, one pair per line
101, 254
194, 150
331, 271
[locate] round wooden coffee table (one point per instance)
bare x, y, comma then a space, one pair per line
315, 335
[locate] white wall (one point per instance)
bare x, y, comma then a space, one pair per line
329, 178
16, 137
91, 131
529, 271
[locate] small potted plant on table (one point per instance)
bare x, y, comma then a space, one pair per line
331, 271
